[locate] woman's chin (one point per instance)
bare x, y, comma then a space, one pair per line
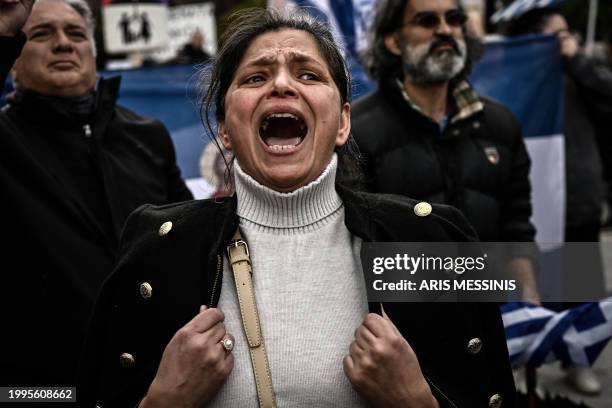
286, 180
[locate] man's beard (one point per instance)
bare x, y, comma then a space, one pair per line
427, 66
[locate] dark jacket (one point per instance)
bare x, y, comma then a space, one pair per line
68, 184
184, 269
478, 164
588, 111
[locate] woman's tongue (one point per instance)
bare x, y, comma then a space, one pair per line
282, 133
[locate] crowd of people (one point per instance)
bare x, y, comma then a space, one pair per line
120, 283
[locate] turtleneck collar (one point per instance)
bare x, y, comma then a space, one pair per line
300, 208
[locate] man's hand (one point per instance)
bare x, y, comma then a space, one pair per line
522, 269
383, 368
568, 44
194, 365
13, 15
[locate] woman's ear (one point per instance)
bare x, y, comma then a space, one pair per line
345, 125
222, 135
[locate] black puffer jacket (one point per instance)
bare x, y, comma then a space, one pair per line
68, 184
478, 164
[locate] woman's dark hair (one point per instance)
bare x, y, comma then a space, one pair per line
380, 63
247, 25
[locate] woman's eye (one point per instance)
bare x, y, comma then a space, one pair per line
309, 76
253, 79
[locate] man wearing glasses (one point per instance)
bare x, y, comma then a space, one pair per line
425, 133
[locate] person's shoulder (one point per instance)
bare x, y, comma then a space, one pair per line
500, 121
366, 102
108, 92
497, 110
150, 222
375, 122
132, 117
394, 217
493, 107
148, 131
185, 212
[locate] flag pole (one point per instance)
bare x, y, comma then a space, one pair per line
531, 382
590, 40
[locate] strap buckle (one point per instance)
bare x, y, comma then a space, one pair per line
235, 243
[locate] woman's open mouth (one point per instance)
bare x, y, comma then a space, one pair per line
283, 131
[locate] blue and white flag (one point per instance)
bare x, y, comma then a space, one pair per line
526, 75
519, 7
577, 336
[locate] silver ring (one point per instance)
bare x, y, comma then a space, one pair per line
228, 344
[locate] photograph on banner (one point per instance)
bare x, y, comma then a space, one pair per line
185, 22
129, 26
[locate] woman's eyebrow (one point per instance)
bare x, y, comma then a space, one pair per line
267, 59
298, 57
292, 57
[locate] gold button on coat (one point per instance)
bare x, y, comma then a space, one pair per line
422, 209
146, 290
474, 345
126, 360
495, 401
165, 228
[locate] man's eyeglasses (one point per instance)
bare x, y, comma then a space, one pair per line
431, 19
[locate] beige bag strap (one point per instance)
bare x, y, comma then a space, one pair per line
240, 261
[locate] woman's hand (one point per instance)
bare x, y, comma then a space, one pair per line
194, 365
383, 368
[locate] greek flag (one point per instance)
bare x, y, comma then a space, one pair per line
537, 335
520, 7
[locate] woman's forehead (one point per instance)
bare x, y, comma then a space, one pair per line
287, 44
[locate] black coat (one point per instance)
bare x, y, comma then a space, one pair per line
184, 269
65, 197
479, 164
588, 117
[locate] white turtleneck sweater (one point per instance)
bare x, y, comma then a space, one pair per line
310, 294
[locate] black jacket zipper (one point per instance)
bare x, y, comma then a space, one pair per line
214, 288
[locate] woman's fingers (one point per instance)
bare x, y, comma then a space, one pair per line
204, 320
